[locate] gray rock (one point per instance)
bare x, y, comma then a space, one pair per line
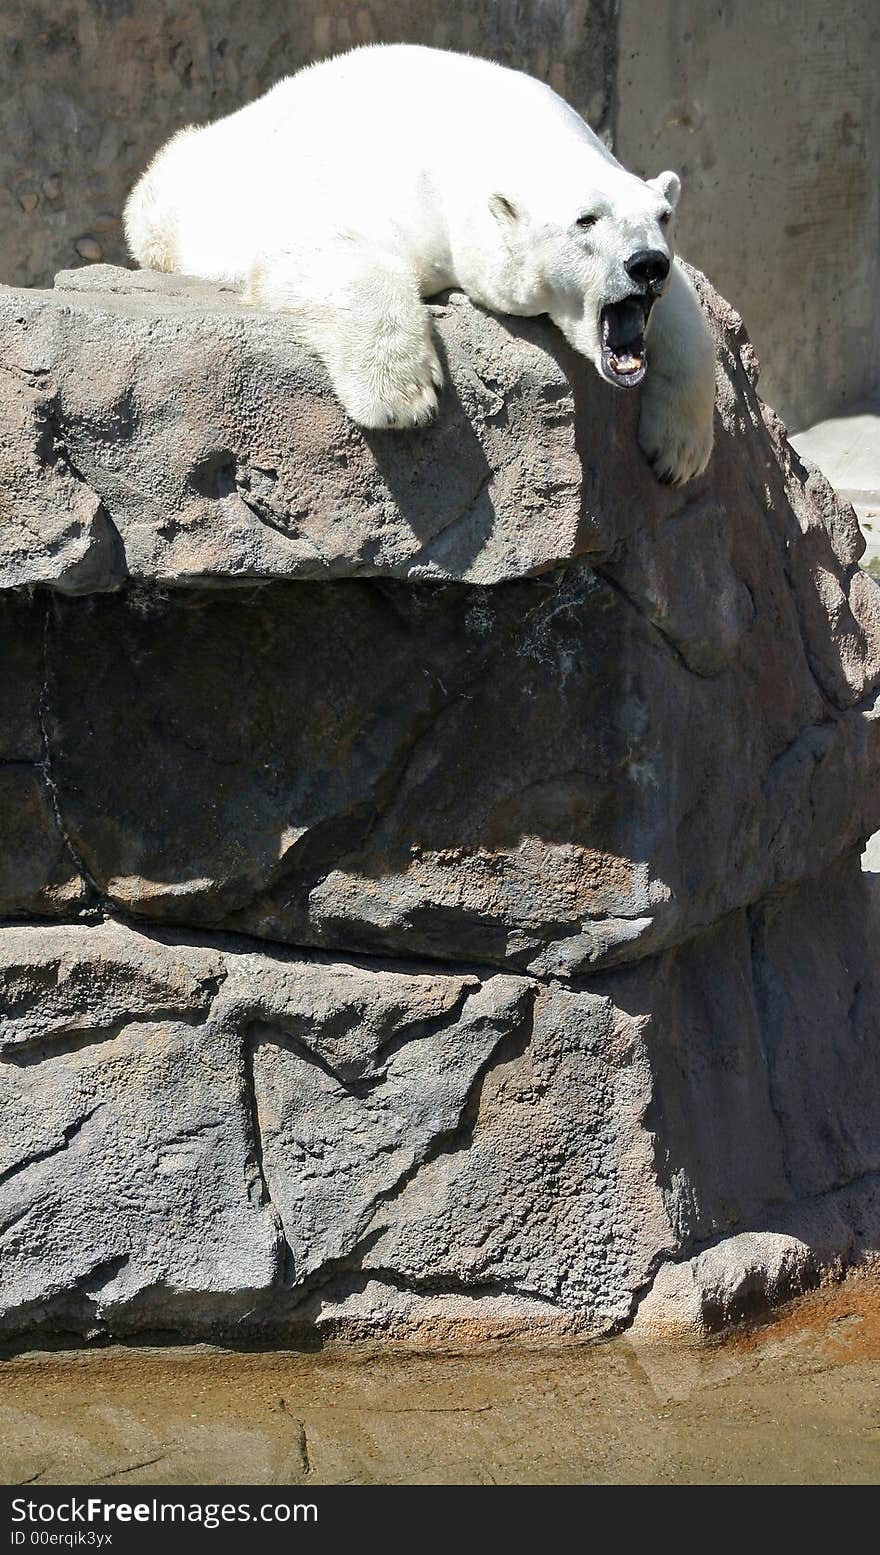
556, 1197
431, 866
472, 787
334, 1148
216, 1140
181, 1121
155, 428
738, 1278
69, 981
127, 1167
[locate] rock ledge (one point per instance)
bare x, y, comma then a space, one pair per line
456, 929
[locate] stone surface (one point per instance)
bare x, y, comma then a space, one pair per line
181, 1121
208, 1139
469, 787
155, 428
423, 915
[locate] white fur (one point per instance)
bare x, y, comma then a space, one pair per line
357, 187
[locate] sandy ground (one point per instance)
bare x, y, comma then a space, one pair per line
796, 1401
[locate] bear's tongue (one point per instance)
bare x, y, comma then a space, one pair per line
623, 341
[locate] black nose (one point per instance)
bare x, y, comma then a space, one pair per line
647, 267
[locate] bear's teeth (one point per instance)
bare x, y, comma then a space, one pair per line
626, 364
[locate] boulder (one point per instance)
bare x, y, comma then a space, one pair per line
429, 863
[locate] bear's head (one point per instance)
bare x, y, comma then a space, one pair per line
594, 258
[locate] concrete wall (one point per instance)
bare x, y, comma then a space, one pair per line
771, 111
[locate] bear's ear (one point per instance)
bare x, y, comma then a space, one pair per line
667, 184
503, 209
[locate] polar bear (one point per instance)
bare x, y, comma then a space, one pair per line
363, 184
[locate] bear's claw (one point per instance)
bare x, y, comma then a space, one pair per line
399, 393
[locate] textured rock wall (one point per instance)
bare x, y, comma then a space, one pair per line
430, 864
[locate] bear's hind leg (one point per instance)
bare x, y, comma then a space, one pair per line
358, 308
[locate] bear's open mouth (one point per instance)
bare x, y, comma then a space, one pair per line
622, 328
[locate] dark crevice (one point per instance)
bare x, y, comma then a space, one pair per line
764, 1025
36, 1050
236, 941
143, 1463
69, 1134
352, 1281
78, 862
301, 1440
284, 1270
279, 1035
665, 638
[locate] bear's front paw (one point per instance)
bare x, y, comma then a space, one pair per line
675, 436
399, 391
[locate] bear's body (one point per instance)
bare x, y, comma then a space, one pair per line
361, 185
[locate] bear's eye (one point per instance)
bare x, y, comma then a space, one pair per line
586, 221
665, 219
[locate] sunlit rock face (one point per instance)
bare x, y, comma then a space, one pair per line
429, 864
